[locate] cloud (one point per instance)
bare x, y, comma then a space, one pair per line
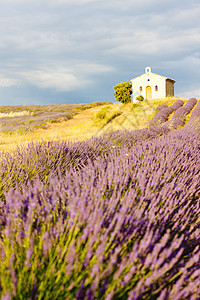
8, 82
56, 2
85, 46
63, 78
59, 78
192, 93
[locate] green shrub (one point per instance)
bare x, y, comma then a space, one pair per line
139, 98
105, 116
101, 114
113, 116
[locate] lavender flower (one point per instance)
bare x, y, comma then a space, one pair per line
87, 221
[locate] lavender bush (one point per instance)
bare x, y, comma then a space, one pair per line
161, 106
115, 217
179, 117
194, 121
163, 114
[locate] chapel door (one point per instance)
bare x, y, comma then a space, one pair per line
148, 93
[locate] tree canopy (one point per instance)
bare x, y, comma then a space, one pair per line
123, 91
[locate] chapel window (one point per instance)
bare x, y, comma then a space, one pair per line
156, 88
140, 88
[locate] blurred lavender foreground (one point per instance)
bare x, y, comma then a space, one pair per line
114, 217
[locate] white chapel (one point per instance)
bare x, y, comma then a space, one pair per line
152, 86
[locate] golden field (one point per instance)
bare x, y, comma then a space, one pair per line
87, 123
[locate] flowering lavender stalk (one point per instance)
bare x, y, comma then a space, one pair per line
114, 217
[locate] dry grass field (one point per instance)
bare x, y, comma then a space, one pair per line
86, 123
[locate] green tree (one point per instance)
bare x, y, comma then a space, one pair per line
123, 91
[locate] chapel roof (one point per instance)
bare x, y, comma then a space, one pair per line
148, 71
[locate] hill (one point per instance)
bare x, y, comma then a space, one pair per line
20, 125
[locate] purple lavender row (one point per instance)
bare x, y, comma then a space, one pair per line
162, 106
162, 115
42, 159
53, 157
194, 121
179, 117
123, 225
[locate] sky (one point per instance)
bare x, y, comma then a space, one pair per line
75, 51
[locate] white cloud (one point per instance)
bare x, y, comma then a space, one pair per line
76, 45
63, 78
59, 78
155, 43
89, 68
8, 81
56, 2
192, 93
185, 17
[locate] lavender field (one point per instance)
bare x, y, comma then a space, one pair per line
112, 217
27, 118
